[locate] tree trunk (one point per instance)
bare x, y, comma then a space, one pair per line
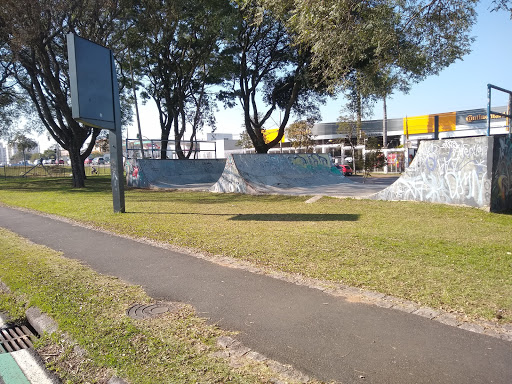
77, 166
178, 135
164, 142
164, 139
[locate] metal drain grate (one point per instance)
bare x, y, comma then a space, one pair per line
141, 311
15, 338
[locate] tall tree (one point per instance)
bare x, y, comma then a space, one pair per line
364, 86
389, 44
23, 144
176, 45
418, 37
300, 134
35, 38
272, 74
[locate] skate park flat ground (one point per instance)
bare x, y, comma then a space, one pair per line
354, 186
357, 186
325, 336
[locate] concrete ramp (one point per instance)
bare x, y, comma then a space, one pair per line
277, 173
472, 171
170, 174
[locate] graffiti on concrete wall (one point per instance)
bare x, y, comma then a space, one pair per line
446, 171
502, 175
309, 160
134, 175
256, 173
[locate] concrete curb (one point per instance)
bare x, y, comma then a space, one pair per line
40, 321
235, 352
33, 367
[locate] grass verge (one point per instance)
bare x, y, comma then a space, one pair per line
91, 309
452, 258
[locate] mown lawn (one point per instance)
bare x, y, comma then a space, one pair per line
453, 258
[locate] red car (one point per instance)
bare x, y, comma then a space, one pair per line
345, 169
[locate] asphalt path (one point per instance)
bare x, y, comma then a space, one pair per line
326, 337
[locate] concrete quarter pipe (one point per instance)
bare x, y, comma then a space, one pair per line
472, 171
155, 173
275, 173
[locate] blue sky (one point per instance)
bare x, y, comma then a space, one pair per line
463, 85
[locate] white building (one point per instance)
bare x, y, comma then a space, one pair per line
3, 155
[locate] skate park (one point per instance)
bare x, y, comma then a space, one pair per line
461, 158
472, 171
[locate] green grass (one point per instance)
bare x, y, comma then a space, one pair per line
91, 308
452, 258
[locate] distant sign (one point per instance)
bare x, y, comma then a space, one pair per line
91, 72
271, 134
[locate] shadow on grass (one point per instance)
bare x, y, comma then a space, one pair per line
296, 217
264, 216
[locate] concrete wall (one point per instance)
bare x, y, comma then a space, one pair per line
447, 171
260, 173
148, 173
472, 171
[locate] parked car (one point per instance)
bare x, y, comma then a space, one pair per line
88, 161
98, 160
60, 161
344, 169
21, 163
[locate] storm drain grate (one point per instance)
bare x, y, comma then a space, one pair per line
142, 311
15, 338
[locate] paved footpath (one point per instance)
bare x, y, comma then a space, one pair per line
326, 337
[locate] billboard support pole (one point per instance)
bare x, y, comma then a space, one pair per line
116, 148
95, 101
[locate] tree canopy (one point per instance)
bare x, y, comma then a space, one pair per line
176, 47
23, 144
34, 51
417, 38
300, 134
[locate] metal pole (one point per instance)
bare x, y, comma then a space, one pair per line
436, 127
509, 112
136, 104
116, 148
488, 109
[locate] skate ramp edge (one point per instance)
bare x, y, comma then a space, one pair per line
155, 173
271, 173
471, 171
